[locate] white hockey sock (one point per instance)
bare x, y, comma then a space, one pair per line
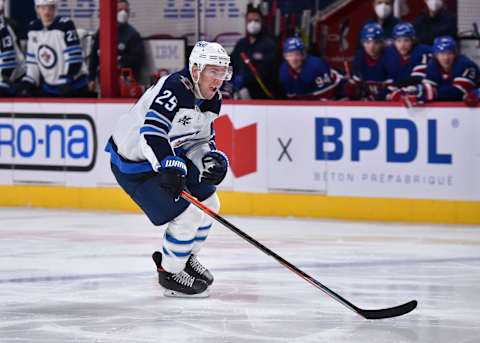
179, 239
212, 203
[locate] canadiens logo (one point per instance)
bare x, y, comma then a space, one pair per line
47, 56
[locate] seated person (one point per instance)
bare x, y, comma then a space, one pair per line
449, 76
434, 22
12, 65
384, 17
406, 61
55, 62
368, 68
306, 77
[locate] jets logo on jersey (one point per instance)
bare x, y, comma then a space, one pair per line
47, 56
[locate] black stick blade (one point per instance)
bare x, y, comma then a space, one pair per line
388, 312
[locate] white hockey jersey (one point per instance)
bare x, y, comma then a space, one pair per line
54, 55
168, 120
12, 65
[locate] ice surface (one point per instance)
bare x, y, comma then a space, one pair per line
68, 276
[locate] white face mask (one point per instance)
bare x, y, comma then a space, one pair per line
254, 27
434, 5
383, 11
122, 17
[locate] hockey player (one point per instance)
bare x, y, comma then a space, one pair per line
306, 77
55, 62
449, 76
406, 61
369, 70
12, 65
166, 144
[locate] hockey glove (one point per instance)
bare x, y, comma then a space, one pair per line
215, 167
172, 173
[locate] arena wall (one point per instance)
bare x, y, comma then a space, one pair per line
359, 161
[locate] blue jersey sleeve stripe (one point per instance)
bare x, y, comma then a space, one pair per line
8, 53
73, 48
154, 114
149, 129
74, 60
9, 65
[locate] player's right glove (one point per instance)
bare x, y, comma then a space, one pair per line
215, 167
25, 89
173, 173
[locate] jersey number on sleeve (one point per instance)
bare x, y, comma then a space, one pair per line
72, 36
167, 100
7, 42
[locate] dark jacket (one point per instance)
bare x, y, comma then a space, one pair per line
263, 56
131, 52
428, 28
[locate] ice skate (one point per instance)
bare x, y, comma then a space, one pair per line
182, 284
196, 269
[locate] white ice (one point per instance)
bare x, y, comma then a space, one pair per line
68, 276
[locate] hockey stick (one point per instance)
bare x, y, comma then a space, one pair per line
255, 73
367, 314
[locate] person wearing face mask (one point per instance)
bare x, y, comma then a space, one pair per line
131, 52
261, 51
384, 17
434, 22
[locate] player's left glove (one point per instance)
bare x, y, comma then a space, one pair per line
215, 167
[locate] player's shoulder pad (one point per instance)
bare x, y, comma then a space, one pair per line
35, 25
181, 86
63, 23
317, 63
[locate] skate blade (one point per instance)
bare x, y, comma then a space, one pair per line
173, 294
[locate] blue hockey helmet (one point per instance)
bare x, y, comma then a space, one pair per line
444, 44
371, 31
403, 30
293, 44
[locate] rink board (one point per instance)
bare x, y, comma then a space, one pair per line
312, 159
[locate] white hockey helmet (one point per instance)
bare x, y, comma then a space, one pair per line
45, 2
210, 53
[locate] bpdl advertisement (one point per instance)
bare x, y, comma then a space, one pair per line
425, 153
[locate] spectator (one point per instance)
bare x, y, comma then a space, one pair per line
436, 21
306, 77
12, 66
131, 52
384, 17
55, 64
449, 76
406, 61
369, 70
260, 50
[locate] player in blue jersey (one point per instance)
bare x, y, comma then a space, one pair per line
369, 70
406, 61
54, 58
166, 144
306, 77
449, 76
